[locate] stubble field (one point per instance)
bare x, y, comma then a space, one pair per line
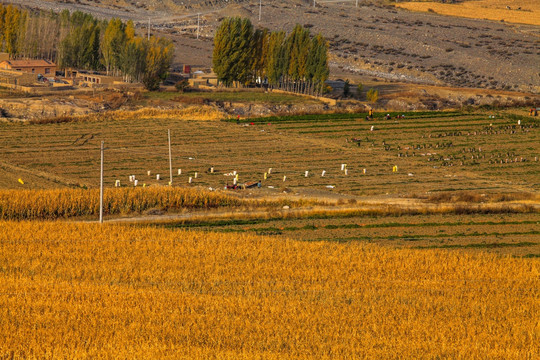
485, 152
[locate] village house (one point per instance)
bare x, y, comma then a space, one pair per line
43, 67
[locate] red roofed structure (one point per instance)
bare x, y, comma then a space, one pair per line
43, 67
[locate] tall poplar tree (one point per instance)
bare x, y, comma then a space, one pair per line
112, 44
233, 51
11, 29
275, 57
260, 50
317, 66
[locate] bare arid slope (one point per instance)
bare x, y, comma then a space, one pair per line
374, 40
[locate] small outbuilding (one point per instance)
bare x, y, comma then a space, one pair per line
16, 78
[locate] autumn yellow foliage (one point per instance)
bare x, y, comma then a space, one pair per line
78, 291
52, 204
203, 112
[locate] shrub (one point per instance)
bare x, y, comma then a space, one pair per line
346, 89
372, 95
182, 85
359, 89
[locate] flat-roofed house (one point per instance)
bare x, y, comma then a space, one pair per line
43, 67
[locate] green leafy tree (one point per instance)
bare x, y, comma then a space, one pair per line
21, 32
275, 58
298, 46
233, 51
318, 69
295, 62
222, 51
134, 59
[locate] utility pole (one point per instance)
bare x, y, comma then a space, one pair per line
260, 9
170, 157
198, 24
148, 29
313, 3
356, 3
101, 188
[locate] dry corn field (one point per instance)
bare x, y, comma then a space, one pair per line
83, 291
64, 203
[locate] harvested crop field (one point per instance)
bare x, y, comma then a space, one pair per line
504, 233
433, 152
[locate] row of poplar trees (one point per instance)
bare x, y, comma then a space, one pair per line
295, 62
79, 40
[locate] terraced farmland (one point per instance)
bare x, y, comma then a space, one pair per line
516, 234
433, 152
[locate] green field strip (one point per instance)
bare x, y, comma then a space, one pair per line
380, 130
222, 223
313, 227
493, 245
342, 116
424, 237
388, 125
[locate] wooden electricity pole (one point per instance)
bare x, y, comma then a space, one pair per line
170, 157
101, 187
198, 25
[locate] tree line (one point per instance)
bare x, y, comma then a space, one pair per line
78, 40
295, 62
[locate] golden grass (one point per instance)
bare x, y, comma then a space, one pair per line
84, 291
483, 9
66, 203
63, 203
203, 112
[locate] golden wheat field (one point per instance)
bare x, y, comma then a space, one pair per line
515, 11
74, 290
